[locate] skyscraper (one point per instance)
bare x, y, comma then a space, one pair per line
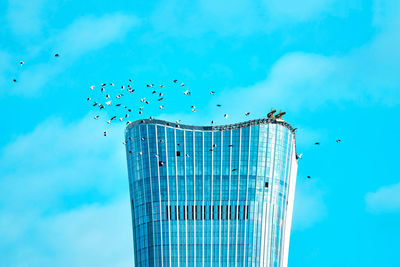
211, 195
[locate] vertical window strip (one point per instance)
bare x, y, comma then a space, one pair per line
285, 196
177, 197
246, 201
272, 215
183, 149
237, 193
159, 199
151, 196
220, 201
168, 195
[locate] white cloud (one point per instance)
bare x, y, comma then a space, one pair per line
95, 235
283, 10
5, 66
84, 35
91, 33
309, 206
306, 81
385, 199
64, 197
57, 160
26, 17
240, 17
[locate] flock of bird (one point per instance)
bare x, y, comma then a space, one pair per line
107, 89
111, 97
108, 99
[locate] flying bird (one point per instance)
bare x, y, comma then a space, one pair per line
92, 87
212, 92
182, 84
161, 107
175, 81
21, 63
338, 141
308, 177
161, 85
212, 122
226, 116
56, 55
107, 96
105, 133
218, 105
247, 113
108, 103
154, 92
96, 117
87, 99
317, 143
15, 80
149, 85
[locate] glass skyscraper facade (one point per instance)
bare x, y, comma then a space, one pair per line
211, 195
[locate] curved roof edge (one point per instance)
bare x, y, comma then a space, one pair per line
212, 128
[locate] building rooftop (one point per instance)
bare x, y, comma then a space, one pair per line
213, 128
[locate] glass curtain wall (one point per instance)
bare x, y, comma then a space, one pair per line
211, 196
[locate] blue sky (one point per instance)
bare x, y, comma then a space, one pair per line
333, 66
